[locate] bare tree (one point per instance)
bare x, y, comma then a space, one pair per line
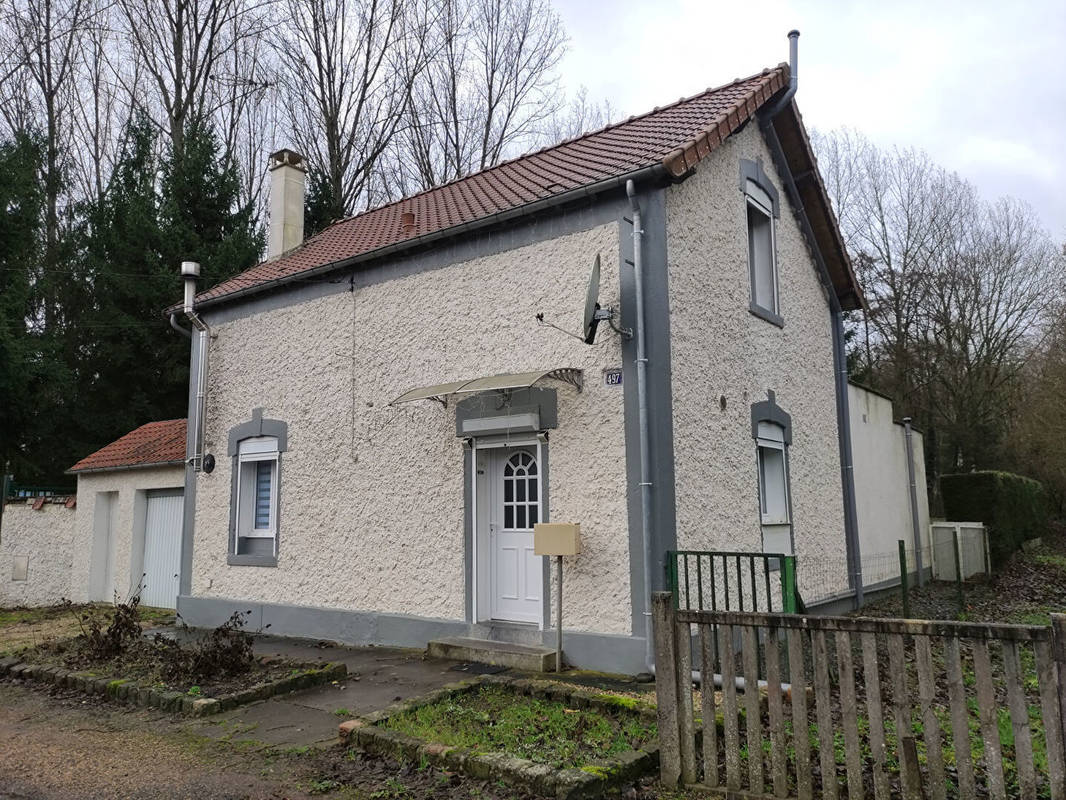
581, 115
490, 90
47, 33
182, 45
101, 109
347, 71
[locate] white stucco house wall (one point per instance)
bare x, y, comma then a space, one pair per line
120, 535
380, 414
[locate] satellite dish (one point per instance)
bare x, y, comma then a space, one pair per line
592, 319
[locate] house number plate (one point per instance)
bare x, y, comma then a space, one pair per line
612, 377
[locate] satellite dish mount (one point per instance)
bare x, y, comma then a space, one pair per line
594, 314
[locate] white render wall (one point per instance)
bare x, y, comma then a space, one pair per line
721, 350
372, 503
882, 485
130, 488
45, 536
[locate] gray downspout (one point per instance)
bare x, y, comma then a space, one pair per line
914, 501
840, 361
847, 460
642, 416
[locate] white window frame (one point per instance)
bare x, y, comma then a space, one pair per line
253, 451
757, 198
772, 437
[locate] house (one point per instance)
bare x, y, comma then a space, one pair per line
118, 536
381, 413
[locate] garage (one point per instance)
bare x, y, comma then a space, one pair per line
162, 548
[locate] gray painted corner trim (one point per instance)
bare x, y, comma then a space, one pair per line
660, 402
753, 171
188, 516
589, 650
258, 426
769, 411
766, 314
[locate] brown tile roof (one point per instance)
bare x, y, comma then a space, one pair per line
673, 138
153, 443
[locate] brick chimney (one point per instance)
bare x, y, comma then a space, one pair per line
287, 174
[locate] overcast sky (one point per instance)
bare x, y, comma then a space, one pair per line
978, 85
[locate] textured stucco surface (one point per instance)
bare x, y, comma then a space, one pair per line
882, 485
129, 488
722, 350
372, 513
44, 536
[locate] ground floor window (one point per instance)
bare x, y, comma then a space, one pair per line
772, 431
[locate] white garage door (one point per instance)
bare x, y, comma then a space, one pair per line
162, 549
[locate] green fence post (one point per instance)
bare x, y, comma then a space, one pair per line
903, 578
958, 568
788, 585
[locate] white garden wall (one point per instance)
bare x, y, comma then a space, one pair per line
42, 541
882, 486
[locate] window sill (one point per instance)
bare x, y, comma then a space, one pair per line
767, 315
251, 561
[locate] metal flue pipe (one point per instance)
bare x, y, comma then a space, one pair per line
190, 271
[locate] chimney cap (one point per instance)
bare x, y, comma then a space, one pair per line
190, 269
286, 158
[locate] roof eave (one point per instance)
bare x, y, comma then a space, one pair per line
650, 172
124, 467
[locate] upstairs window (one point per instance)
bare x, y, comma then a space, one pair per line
762, 258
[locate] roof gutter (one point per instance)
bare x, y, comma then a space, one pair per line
124, 467
590, 190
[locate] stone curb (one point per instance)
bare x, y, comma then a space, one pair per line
566, 784
124, 690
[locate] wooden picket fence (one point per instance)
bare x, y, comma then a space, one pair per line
860, 707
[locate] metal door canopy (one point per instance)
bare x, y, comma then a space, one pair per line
517, 380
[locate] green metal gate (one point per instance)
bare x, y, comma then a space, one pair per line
723, 580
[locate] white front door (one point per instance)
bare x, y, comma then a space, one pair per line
162, 548
515, 497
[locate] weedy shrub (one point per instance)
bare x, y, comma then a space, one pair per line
99, 643
225, 651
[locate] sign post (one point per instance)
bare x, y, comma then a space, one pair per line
557, 539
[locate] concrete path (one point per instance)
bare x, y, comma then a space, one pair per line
377, 677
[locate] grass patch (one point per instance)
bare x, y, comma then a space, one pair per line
494, 719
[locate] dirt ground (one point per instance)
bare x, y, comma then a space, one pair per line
27, 627
1029, 587
62, 745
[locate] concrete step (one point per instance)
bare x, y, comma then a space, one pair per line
513, 632
499, 654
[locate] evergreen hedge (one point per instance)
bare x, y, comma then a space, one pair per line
1012, 507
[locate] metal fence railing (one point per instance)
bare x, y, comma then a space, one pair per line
723, 580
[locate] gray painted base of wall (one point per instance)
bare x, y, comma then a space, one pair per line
597, 651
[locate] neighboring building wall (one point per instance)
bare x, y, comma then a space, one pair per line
372, 497
882, 486
721, 350
44, 538
125, 491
